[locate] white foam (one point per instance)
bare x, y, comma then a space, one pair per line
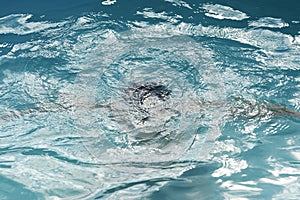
18, 24
269, 22
218, 11
180, 3
108, 2
148, 13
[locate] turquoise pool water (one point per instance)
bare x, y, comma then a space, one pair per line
149, 99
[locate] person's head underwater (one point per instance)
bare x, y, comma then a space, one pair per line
140, 93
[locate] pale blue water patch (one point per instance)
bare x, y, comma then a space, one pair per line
83, 113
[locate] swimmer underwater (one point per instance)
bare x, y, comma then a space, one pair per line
145, 97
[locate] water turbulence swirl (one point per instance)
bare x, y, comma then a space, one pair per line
145, 98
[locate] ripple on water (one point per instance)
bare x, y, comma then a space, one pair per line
110, 143
156, 130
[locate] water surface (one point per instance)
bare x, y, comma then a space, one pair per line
70, 128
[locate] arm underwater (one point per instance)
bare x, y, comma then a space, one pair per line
145, 96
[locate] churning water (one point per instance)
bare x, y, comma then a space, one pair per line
149, 100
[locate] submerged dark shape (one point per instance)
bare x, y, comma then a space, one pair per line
139, 93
